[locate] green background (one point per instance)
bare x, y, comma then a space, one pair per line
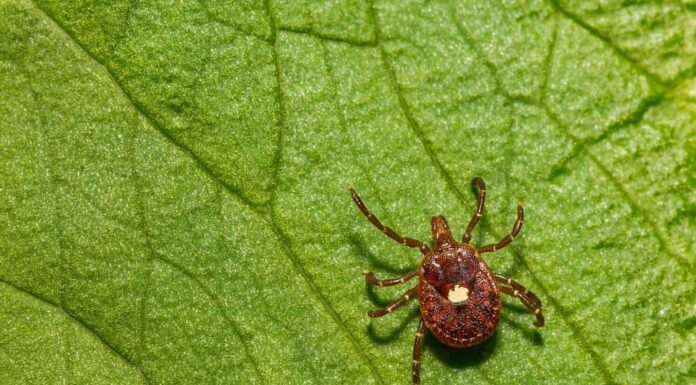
175, 177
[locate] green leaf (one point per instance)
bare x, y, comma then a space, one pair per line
175, 187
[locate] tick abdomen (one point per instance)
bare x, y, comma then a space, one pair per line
459, 299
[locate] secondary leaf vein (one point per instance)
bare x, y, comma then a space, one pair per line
92, 331
143, 112
579, 146
284, 239
594, 32
326, 37
218, 305
448, 179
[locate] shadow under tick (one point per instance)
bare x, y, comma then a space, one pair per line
406, 324
529, 331
363, 253
462, 357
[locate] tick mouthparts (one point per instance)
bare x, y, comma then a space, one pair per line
441, 232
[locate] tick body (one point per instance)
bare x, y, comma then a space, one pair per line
458, 293
459, 300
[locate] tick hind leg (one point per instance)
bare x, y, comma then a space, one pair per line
370, 278
397, 304
386, 230
478, 183
517, 286
529, 299
508, 238
417, 346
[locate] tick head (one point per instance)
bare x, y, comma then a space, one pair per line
442, 236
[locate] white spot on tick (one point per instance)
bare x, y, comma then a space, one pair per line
458, 294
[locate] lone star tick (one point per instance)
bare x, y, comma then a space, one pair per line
459, 295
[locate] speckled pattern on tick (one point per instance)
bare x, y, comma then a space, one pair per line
459, 295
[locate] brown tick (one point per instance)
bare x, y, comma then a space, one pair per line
459, 295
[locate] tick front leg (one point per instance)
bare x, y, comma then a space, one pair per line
506, 241
404, 298
417, 346
536, 310
478, 182
370, 278
386, 230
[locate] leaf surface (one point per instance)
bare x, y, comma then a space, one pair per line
175, 187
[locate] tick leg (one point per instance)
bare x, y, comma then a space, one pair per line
397, 304
370, 278
386, 230
417, 345
517, 286
478, 182
508, 238
536, 310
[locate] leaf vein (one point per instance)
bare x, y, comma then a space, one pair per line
580, 146
237, 27
218, 305
202, 165
492, 69
281, 123
299, 267
76, 320
55, 214
332, 78
412, 123
326, 37
577, 334
403, 105
606, 40
284, 239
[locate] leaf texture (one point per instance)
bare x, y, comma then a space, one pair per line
175, 187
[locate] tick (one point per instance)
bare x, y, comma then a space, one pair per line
458, 293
